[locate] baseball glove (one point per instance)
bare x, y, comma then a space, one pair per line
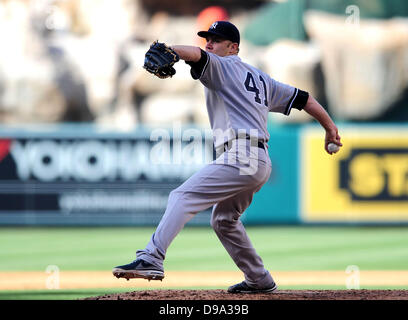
159, 60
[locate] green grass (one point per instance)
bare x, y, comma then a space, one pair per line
281, 248
55, 294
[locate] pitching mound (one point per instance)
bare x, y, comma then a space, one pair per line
277, 295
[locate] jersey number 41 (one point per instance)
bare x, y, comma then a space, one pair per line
250, 85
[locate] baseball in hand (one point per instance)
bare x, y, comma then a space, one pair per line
332, 147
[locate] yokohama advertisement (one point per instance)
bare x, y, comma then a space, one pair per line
85, 177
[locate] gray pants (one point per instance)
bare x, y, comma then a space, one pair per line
223, 185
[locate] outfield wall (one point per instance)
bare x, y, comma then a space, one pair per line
86, 175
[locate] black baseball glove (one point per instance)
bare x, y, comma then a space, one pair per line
159, 60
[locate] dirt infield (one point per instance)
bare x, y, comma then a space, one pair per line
277, 295
37, 280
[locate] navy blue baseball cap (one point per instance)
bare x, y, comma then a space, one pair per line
223, 29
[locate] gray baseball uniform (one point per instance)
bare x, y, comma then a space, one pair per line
238, 98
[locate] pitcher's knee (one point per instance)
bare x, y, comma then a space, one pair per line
222, 224
175, 195
183, 200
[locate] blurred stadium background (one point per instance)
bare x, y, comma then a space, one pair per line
80, 121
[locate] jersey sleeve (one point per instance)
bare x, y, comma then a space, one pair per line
285, 97
208, 70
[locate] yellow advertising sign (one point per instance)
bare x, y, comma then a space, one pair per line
367, 180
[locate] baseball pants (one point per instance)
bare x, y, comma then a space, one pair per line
224, 186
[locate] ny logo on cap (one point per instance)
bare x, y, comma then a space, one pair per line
214, 25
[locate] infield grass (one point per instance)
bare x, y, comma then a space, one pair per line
281, 248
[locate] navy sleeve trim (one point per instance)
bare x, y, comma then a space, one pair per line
297, 101
199, 67
301, 100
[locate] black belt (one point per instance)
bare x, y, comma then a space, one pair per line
260, 144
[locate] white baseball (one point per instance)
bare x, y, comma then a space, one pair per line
332, 147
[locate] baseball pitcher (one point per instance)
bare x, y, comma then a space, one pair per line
238, 97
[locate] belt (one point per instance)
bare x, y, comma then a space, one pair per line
260, 144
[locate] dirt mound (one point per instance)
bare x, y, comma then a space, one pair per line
277, 295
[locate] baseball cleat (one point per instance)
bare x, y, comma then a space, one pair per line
138, 269
242, 287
